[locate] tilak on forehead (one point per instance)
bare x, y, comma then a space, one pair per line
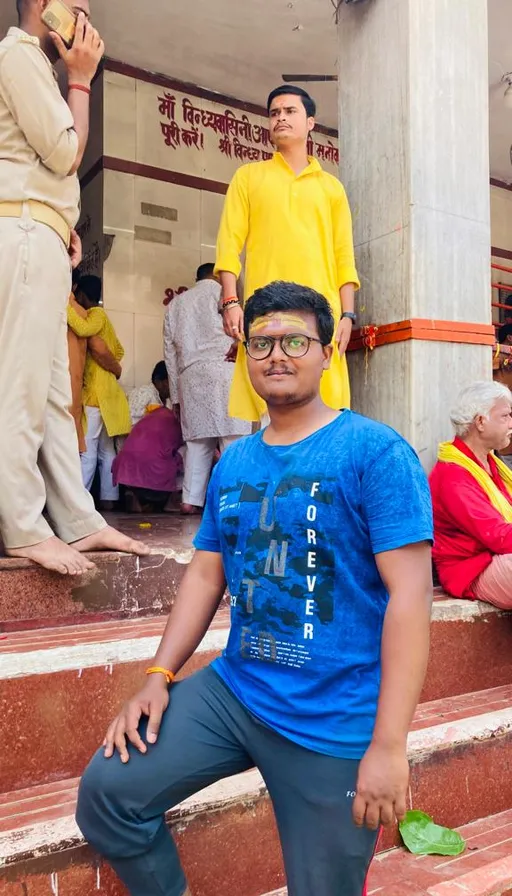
279, 319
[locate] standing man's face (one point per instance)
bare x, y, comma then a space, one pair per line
77, 7
288, 121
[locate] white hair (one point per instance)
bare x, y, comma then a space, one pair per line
475, 401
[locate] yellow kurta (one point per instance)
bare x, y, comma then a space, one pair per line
295, 228
101, 389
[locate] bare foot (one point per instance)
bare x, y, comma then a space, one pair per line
132, 503
183, 509
108, 506
55, 555
190, 509
110, 539
172, 505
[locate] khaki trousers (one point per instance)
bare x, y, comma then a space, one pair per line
39, 459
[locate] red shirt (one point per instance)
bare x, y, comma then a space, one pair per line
469, 531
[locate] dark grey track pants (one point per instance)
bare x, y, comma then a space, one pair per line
207, 735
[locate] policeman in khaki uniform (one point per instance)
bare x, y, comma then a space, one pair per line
42, 142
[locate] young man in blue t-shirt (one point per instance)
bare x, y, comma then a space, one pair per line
321, 528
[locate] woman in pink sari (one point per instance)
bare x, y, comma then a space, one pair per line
149, 462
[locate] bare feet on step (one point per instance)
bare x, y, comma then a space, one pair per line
110, 539
55, 555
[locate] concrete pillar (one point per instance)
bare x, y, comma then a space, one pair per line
414, 127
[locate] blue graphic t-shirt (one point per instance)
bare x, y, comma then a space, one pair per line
298, 527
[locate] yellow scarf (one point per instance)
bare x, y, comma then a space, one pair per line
449, 454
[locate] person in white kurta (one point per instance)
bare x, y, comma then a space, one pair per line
146, 398
195, 347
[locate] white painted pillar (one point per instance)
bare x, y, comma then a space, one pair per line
415, 162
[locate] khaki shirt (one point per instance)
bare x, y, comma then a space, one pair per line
38, 143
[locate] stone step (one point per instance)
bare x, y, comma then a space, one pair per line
459, 748
470, 641
485, 869
51, 680
42, 852
470, 648
121, 585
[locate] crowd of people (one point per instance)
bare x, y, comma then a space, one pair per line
317, 520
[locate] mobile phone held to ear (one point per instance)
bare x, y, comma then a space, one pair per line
59, 18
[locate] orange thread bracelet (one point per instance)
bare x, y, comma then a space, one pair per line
154, 670
81, 87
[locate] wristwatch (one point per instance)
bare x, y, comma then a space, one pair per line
351, 315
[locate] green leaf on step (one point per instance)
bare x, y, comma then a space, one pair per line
424, 838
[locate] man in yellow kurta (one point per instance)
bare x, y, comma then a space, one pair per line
106, 406
294, 220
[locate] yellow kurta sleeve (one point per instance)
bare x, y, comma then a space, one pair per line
91, 326
118, 350
234, 225
343, 238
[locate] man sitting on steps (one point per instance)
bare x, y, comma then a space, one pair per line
320, 525
472, 496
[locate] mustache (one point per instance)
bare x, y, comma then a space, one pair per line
277, 369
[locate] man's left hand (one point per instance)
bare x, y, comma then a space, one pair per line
75, 249
343, 334
382, 785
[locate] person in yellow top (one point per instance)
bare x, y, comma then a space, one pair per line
42, 141
294, 220
106, 405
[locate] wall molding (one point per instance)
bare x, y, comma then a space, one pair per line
501, 253
142, 74
502, 184
93, 172
124, 166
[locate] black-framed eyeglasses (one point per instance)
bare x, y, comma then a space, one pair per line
294, 345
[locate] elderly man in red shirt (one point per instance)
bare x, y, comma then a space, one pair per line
472, 497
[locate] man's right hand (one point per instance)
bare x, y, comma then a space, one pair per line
233, 320
151, 701
83, 57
